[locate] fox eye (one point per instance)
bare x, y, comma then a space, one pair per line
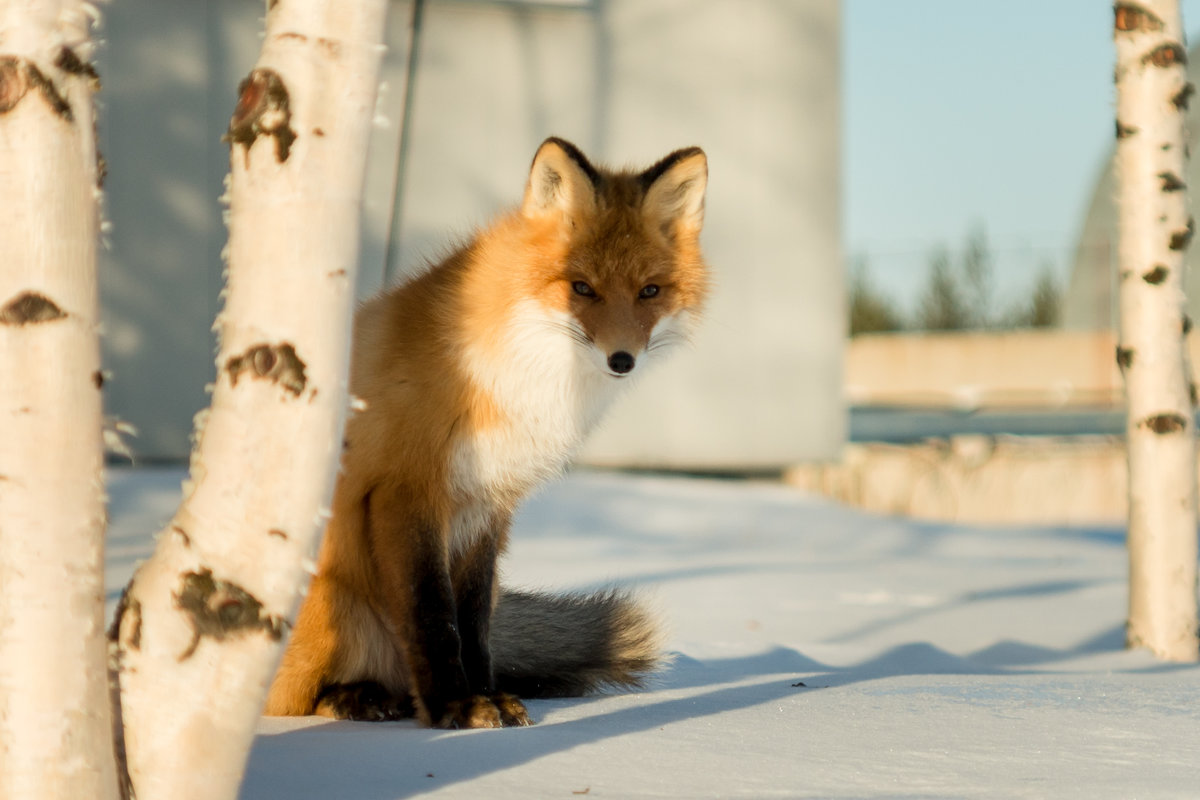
583, 289
649, 290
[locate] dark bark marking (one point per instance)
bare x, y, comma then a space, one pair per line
132, 608
1157, 275
1165, 423
1170, 181
277, 532
1130, 17
1166, 55
30, 308
1181, 239
1124, 357
18, 76
1187, 325
220, 609
263, 109
12, 83
318, 132
135, 633
278, 363
1124, 131
98, 379
182, 534
1192, 394
72, 64
1183, 96
57, 102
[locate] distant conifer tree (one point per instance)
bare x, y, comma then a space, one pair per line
871, 311
943, 305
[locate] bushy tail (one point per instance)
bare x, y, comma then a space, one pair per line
546, 645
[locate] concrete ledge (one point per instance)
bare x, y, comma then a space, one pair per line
981, 479
968, 369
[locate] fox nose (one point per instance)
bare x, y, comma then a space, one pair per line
620, 362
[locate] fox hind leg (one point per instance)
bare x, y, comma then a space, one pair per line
364, 701
308, 660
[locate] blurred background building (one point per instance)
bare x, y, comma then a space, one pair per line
754, 82
950, 159
1091, 299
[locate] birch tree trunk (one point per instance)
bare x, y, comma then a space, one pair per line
1155, 231
55, 723
203, 620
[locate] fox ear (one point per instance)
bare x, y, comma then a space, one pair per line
675, 192
561, 181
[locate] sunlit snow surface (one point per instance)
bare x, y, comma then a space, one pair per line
818, 652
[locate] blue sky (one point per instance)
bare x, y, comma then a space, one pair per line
974, 112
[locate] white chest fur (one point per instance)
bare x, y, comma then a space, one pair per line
549, 393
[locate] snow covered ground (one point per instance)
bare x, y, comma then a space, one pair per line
819, 652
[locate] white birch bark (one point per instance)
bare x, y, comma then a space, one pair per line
55, 722
204, 618
1155, 231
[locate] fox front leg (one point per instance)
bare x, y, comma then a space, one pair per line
474, 578
417, 595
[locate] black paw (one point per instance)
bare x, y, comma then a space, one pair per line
365, 701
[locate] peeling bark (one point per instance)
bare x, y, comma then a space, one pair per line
1181, 98
1155, 230
1166, 55
1165, 423
1129, 17
219, 609
1157, 275
1170, 181
30, 308
1182, 239
69, 62
275, 363
18, 76
263, 109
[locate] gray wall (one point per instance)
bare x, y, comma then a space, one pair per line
1091, 300
170, 70
754, 82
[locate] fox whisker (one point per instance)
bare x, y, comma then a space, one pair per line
572, 330
666, 339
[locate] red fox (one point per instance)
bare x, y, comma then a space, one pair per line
480, 378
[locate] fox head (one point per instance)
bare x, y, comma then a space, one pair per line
622, 268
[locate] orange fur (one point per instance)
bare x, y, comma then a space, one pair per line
479, 378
